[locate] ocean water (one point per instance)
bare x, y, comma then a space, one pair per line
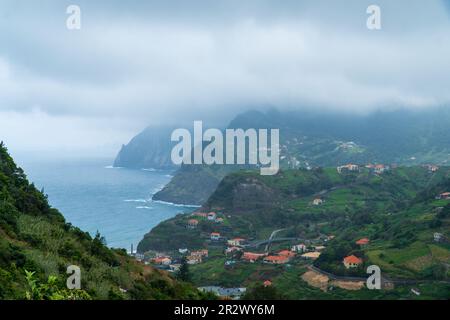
94, 196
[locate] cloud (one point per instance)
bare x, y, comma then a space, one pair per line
149, 62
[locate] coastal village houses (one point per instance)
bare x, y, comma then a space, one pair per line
352, 262
215, 236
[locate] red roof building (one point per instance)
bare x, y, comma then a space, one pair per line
352, 262
363, 242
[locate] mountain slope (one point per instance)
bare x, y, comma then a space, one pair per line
310, 140
149, 149
34, 237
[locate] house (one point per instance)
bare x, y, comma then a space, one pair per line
183, 250
267, 283
432, 168
286, 253
380, 168
363, 242
192, 223
236, 242
317, 202
174, 267
276, 259
438, 237
212, 216
252, 257
165, 261
215, 236
200, 253
193, 259
352, 262
298, 248
232, 250
444, 196
348, 167
319, 248
415, 291
311, 255
219, 220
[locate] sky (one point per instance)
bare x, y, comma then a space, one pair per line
135, 63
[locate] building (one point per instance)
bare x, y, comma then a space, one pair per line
444, 196
317, 202
203, 253
219, 220
363, 242
165, 261
276, 259
236, 242
183, 250
380, 168
348, 167
232, 250
438, 237
319, 248
215, 236
352, 262
299, 248
252, 257
286, 253
267, 283
311, 255
192, 223
193, 259
212, 216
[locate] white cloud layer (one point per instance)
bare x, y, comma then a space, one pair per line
147, 63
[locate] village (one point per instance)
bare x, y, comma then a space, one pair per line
239, 250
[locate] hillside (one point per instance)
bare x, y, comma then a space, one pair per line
35, 238
396, 210
310, 140
150, 149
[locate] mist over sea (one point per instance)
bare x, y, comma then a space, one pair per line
94, 196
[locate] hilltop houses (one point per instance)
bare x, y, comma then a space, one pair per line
438, 237
192, 223
348, 167
215, 236
317, 202
212, 216
236, 242
162, 261
363, 242
200, 253
311, 255
252, 257
267, 283
352, 262
276, 259
299, 248
443, 196
232, 250
193, 259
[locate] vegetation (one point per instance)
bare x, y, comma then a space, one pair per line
37, 245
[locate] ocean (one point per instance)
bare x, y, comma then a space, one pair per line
93, 196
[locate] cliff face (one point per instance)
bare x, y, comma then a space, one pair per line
149, 149
35, 238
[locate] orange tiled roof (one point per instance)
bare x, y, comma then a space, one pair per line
362, 241
276, 258
286, 253
352, 259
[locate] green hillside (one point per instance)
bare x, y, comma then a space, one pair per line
35, 239
396, 210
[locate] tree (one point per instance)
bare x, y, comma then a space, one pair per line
183, 273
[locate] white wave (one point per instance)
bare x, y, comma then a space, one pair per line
112, 167
176, 204
149, 169
135, 200
144, 207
